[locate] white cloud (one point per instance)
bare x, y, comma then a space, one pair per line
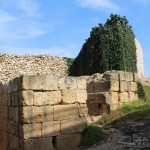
98, 4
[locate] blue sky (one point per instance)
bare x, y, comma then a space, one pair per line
60, 27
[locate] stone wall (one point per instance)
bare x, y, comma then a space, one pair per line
51, 112
108, 91
43, 112
14, 65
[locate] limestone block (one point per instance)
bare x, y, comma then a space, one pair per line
114, 85
62, 112
39, 144
50, 129
122, 76
4, 112
102, 86
47, 113
67, 83
69, 96
31, 114
81, 82
111, 97
83, 110
129, 76
15, 99
81, 96
133, 96
16, 114
124, 97
114, 106
133, 86
10, 112
27, 97
34, 82
68, 142
51, 83
40, 98
135, 77
4, 100
73, 125
123, 86
15, 84
105, 108
111, 75
54, 97
90, 87
93, 108
31, 130
8, 100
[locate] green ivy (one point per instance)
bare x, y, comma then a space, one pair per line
110, 47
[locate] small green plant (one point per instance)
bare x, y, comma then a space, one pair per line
94, 135
140, 91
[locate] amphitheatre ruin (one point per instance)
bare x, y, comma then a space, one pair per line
43, 108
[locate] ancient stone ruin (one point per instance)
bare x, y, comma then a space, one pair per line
50, 112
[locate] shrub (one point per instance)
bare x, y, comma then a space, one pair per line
140, 91
110, 47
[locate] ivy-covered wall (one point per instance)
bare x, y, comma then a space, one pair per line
110, 47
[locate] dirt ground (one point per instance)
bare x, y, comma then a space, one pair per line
125, 128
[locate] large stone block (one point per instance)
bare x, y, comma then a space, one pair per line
102, 86
129, 76
114, 85
40, 98
4, 100
114, 106
39, 144
83, 110
135, 77
62, 112
73, 125
133, 96
81, 96
54, 97
123, 86
67, 83
27, 97
51, 83
111, 97
133, 86
68, 142
69, 96
90, 88
81, 82
50, 129
34, 82
31, 130
15, 101
111, 75
33, 114
124, 97
122, 76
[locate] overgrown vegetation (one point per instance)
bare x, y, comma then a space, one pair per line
94, 135
110, 47
141, 91
69, 63
136, 110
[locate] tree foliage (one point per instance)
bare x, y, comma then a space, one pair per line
110, 47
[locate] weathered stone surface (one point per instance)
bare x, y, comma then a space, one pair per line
111, 75
114, 85
67, 83
133, 96
33, 114
83, 110
124, 97
94, 108
81, 82
68, 142
133, 86
33, 82
50, 129
101, 86
81, 96
135, 77
31, 130
123, 86
121, 75
114, 106
129, 76
62, 112
27, 97
69, 96
73, 125
90, 87
54, 97
51, 83
111, 97
40, 98
39, 144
